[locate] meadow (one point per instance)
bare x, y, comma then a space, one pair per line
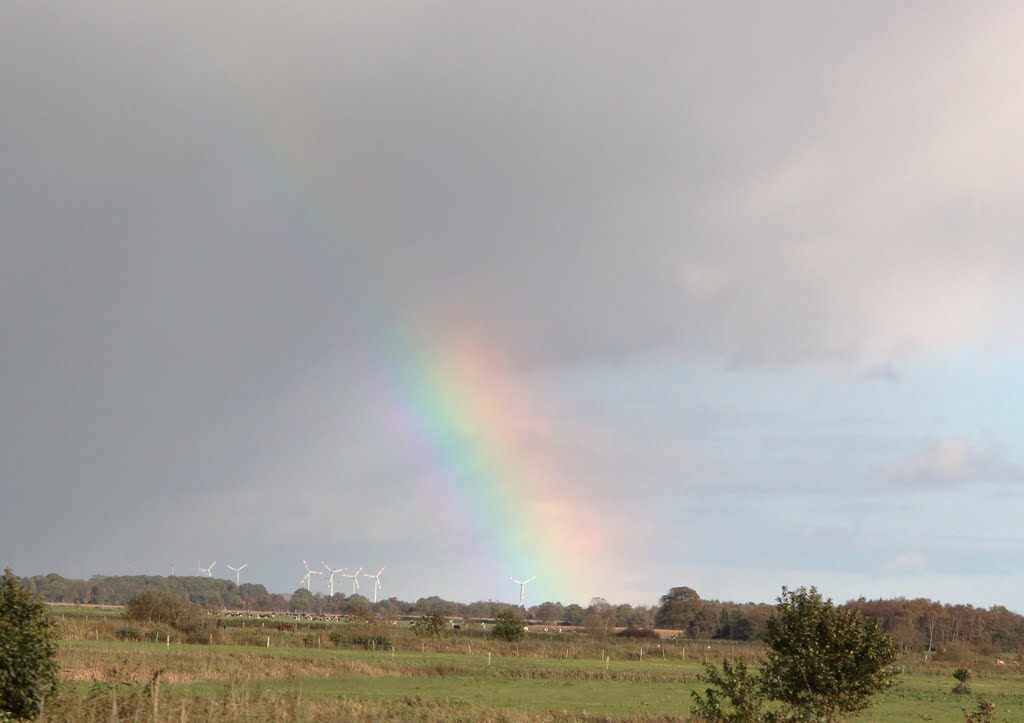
298, 670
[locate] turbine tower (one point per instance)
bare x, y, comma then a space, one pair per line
522, 588
355, 579
238, 570
208, 570
309, 574
376, 582
330, 579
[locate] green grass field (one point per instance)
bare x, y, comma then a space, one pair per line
305, 676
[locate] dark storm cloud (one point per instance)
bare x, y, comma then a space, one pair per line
206, 208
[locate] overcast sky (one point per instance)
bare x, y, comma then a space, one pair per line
631, 295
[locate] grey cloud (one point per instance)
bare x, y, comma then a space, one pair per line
560, 176
207, 209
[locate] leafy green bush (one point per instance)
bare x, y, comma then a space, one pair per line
128, 632
372, 642
963, 677
434, 625
635, 632
733, 696
823, 661
158, 606
28, 651
509, 627
984, 713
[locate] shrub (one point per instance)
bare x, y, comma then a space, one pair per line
733, 696
128, 632
508, 626
28, 651
434, 625
372, 642
822, 660
963, 676
984, 713
159, 606
635, 632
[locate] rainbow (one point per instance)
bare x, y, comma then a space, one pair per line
450, 405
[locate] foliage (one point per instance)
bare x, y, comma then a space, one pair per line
372, 642
161, 607
678, 608
822, 660
733, 695
984, 713
28, 650
509, 627
963, 676
434, 625
129, 632
635, 632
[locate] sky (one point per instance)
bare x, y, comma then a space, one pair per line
621, 296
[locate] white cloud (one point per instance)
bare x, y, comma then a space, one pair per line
954, 461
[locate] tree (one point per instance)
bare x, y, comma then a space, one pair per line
302, 601
28, 650
679, 607
508, 626
821, 660
573, 614
434, 625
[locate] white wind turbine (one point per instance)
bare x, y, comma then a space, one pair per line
355, 579
522, 587
238, 570
309, 574
207, 570
330, 582
376, 580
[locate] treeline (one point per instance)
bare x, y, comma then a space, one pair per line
207, 592
923, 625
919, 625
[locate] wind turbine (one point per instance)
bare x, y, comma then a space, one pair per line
238, 570
376, 578
355, 579
309, 574
522, 587
208, 570
330, 580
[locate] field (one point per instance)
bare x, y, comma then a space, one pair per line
320, 671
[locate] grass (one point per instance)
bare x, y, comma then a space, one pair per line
304, 676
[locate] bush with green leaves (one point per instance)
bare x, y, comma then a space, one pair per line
160, 606
508, 626
435, 625
28, 651
963, 678
732, 696
984, 713
823, 661
633, 631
